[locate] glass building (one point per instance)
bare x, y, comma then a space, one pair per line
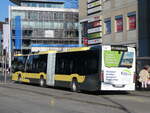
48, 3
42, 22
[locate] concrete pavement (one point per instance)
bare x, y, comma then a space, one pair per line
23, 98
2, 78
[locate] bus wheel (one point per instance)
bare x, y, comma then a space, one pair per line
19, 78
42, 82
74, 85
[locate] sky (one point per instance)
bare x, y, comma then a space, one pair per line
4, 9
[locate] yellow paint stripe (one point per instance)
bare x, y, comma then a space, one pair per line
68, 78
14, 77
25, 76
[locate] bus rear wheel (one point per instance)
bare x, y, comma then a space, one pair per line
74, 86
42, 82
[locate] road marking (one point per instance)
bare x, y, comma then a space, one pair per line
52, 102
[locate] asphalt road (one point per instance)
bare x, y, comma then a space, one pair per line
23, 98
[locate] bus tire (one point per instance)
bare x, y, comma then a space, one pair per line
19, 78
42, 82
74, 86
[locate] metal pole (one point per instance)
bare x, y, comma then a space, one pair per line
5, 62
9, 39
80, 35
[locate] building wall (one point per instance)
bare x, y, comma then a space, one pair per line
6, 36
0, 44
113, 8
90, 19
144, 28
82, 9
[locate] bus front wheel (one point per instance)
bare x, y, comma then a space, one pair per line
19, 78
74, 86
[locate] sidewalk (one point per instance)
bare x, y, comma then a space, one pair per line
2, 78
141, 92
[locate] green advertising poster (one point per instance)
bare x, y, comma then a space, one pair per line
95, 35
112, 58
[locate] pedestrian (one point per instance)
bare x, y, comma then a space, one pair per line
144, 76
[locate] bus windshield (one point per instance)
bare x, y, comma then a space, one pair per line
118, 59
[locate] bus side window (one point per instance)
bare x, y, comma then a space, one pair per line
42, 63
92, 66
63, 64
91, 62
71, 67
14, 65
21, 63
35, 64
59, 64
29, 64
82, 65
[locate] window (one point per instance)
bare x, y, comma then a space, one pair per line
36, 63
119, 23
63, 64
70, 33
13, 32
56, 15
29, 64
68, 16
131, 21
25, 43
42, 63
27, 32
18, 13
45, 16
25, 24
33, 4
107, 26
41, 5
18, 64
33, 15
50, 15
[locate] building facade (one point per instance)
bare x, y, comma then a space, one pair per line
36, 23
46, 3
118, 19
90, 16
4, 44
120, 22
144, 28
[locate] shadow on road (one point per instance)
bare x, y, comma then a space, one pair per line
96, 93
107, 92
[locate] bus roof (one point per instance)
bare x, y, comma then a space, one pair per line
53, 51
37, 53
77, 49
46, 52
116, 47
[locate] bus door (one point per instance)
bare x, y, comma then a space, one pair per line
118, 66
51, 69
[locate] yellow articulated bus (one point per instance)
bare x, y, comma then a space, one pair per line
94, 68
